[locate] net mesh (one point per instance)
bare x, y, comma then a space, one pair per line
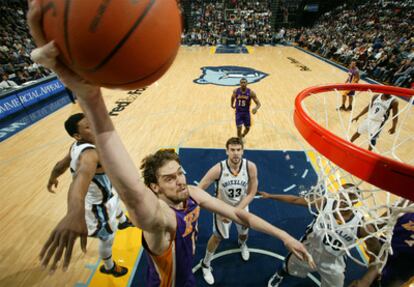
379, 209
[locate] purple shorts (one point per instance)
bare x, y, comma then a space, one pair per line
243, 119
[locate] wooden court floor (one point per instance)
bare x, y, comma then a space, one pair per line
173, 112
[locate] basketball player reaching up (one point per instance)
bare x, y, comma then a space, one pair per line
92, 202
240, 101
163, 206
329, 259
236, 184
378, 113
353, 78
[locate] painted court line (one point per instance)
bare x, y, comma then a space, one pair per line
253, 250
289, 188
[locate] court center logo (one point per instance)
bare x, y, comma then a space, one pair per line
228, 75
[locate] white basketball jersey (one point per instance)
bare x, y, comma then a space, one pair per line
232, 188
100, 189
380, 109
327, 235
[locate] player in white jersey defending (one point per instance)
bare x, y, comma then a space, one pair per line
378, 113
345, 222
236, 184
92, 201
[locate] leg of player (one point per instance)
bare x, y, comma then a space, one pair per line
372, 143
344, 96
239, 131
212, 246
277, 278
243, 234
350, 100
246, 123
246, 130
292, 266
109, 266
123, 220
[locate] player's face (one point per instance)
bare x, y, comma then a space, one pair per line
348, 201
85, 132
243, 84
172, 185
235, 153
353, 64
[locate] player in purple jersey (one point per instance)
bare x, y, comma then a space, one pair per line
240, 101
165, 207
353, 78
399, 267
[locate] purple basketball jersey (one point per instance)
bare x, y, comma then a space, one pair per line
399, 266
403, 237
174, 266
243, 101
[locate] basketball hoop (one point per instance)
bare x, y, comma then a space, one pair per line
383, 172
375, 175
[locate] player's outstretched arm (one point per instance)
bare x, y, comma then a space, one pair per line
143, 205
292, 199
250, 220
59, 169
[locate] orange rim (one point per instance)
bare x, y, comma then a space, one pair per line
383, 172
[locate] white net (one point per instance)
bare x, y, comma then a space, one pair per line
379, 210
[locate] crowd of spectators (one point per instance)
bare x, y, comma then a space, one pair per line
379, 35
16, 67
229, 22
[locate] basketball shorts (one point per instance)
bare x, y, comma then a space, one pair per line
221, 228
330, 268
372, 128
349, 93
243, 119
101, 218
398, 269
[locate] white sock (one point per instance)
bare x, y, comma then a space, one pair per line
105, 252
207, 258
242, 242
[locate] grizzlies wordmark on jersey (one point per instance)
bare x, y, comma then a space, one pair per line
232, 188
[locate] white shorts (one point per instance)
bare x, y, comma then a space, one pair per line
370, 127
222, 228
101, 218
330, 268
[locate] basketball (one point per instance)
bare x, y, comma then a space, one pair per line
120, 44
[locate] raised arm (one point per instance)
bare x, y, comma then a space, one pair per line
211, 176
250, 220
59, 169
256, 101
144, 208
253, 184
